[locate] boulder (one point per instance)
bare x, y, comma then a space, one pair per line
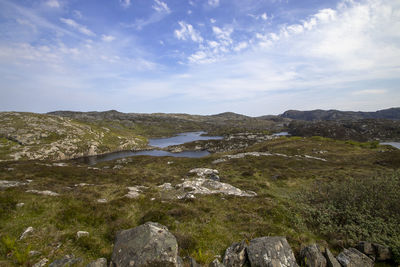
150, 244
270, 251
374, 250
41, 263
311, 256
382, 253
353, 258
101, 262
216, 263
68, 260
235, 255
331, 261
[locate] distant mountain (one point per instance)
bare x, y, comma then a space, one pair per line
324, 115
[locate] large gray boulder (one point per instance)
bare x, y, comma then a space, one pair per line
331, 261
235, 255
150, 244
271, 251
311, 256
353, 258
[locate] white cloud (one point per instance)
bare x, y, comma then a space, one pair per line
213, 20
224, 35
107, 38
161, 7
188, 32
370, 92
81, 28
264, 16
77, 14
240, 46
125, 3
213, 3
53, 3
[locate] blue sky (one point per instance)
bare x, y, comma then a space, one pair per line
202, 57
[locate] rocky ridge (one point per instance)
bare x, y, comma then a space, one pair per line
36, 136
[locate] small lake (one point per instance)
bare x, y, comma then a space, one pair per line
393, 144
181, 139
160, 143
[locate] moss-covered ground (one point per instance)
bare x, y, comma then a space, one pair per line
334, 202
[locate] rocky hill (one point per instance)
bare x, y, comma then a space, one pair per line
318, 115
38, 136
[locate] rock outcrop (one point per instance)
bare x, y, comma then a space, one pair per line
235, 255
271, 251
353, 258
311, 256
331, 261
150, 244
101, 262
374, 250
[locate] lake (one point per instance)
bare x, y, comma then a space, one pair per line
393, 144
160, 143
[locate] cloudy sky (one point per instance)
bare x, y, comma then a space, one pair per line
253, 57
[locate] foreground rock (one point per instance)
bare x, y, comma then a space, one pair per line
375, 251
235, 255
68, 260
331, 261
150, 244
311, 256
270, 252
353, 258
102, 262
8, 184
205, 182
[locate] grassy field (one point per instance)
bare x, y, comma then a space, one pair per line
349, 197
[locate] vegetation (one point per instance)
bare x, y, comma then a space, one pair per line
302, 198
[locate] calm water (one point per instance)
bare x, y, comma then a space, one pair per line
159, 142
393, 144
181, 139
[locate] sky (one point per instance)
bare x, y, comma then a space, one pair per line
253, 57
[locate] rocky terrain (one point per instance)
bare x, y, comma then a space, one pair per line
28, 136
323, 115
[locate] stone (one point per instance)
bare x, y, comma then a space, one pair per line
67, 261
366, 248
26, 232
382, 253
203, 172
8, 184
34, 253
353, 258
20, 205
150, 244
102, 200
134, 191
44, 193
311, 256
216, 263
270, 251
192, 262
331, 261
80, 234
41, 263
235, 255
101, 262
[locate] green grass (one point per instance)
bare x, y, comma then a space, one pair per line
207, 225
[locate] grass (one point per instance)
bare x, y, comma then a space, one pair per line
287, 203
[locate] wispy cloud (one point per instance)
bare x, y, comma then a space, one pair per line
53, 3
161, 7
107, 38
187, 32
125, 3
370, 92
81, 28
213, 3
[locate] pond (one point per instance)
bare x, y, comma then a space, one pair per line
160, 143
393, 144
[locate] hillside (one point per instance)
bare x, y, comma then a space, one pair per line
317, 115
36, 136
